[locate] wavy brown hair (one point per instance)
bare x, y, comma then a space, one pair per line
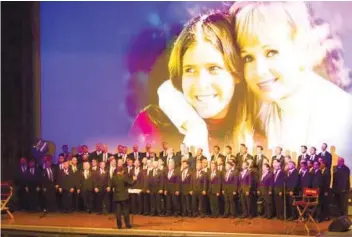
217, 29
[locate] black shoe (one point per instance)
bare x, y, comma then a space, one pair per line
119, 227
128, 226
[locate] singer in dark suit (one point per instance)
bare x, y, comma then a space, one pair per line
246, 190
199, 191
303, 156
172, 187
120, 184
137, 198
278, 187
86, 187
306, 177
326, 156
230, 187
48, 188
317, 182
214, 190
278, 157
155, 187
292, 185
341, 185
100, 185
259, 160
325, 190
186, 188
265, 191
33, 184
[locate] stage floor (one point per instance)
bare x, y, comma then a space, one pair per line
145, 224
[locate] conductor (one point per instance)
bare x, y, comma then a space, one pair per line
120, 183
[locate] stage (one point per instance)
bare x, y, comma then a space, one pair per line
82, 224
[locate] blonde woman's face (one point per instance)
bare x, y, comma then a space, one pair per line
206, 83
272, 64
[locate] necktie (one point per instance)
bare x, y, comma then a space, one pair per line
32, 171
85, 174
154, 172
228, 175
49, 174
213, 175
277, 174
23, 169
198, 174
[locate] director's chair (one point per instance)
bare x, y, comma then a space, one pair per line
6, 194
306, 205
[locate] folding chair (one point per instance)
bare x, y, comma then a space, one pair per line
6, 194
306, 205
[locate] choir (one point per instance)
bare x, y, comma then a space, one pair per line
182, 184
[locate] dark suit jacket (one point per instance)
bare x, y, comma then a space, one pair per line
326, 179
199, 184
219, 156
120, 184
100, 181
215, 183
131, 155
66, 181
161, 154
341, 179
95, 155
174, 183
102, 155
306, 180
155, 183
240, 158
266, 184
33, 181
259, 163
246, 181
315, 158
186, 184
45, 181
279, 182
21, 177
86, 184
292, 181
327, 158
139, 183
317, 181
232, 183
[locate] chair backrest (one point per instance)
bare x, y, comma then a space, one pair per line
6, 190
311, 192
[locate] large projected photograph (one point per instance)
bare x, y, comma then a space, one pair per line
199, 73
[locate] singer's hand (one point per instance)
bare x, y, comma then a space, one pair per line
204, 193
234, 193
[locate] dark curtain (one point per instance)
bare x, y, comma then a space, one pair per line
17, 84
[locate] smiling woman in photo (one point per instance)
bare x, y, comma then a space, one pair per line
281, 48
203, 68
